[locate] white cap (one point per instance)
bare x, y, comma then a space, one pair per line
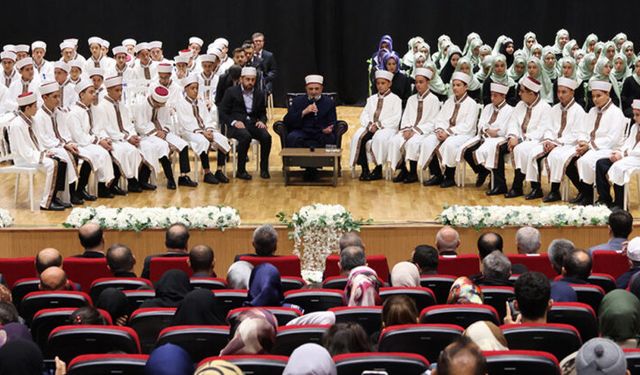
460, 76
384, 74
427, 73
532, 84
165, 68
75, 63
112, 81
196, 40
141, 46
24, 62
181, 59
499, 88
314, 78
191, 78
216, 51
73, 41
105, 43
38, 44
48, 87
95, 72
155, 44
221, 41
83, 85
185, 52
65, 45
600, 86
248, 71
61, 65
160, 94
7, 55
119, 49
633, 249
95, 40
26, 98
9, 47
22, 48
208, 58
635, 104
567, 82
129, 42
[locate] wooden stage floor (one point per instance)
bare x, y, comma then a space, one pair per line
259, 200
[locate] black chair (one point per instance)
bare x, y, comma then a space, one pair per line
521, 362
256, 364
23, 287
289, 338
462, 314
135, 298
557, 339
603, 280
229, 299
497, 296
592, 295
282, 314
633, 360
576, 314
36, 301
148, 322
440, 285
199, 341
423, 297
122, 283
108, 364
46, 320
369, 317
391, 363
424, 339
311, 300
68, 342
292, 283
211, 283
335, 282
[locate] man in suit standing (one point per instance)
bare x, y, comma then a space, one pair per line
244, 114
266, 61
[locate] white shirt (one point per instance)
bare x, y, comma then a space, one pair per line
430, 109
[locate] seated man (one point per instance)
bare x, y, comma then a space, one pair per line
120, 260
496, 270
350, 258
488, 243
53, 278
528, 240
447, 241
633, 254
264, 242
533, 299
48, 257
620, 226
558, 249
576, 267
426, 258
462, 357
176, 241
92, 241
202, 261
350, 239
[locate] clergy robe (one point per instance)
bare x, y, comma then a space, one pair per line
306, 131
19, 87
48, 129
194, 119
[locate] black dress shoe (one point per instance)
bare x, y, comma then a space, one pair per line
209, 178
243, 175
447, 183
553, 196
265, 175
116, 190
498, 190
514, 193
433, 181
534, 194
365, 176
221, 177
105, 192
148, 186
577, 199
53, 207
76, 200
603, 202
376, 174
186, 181
482, 177
59, 202
411, 178
401, 177
134, 186
83, 194
171, 184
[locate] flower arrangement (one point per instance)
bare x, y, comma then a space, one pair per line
138, 219
6, 220
544, 216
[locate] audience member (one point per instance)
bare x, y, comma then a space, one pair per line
199, 307
488, 243
620, 227
528, 240
633, 254
169, 359
350, 258
557, 250
344, 338
314, 318
202, 261
405, 274
265, 287
496, 270
176, 242
533, 299
461, 357
255, 333
21, 357
5, 294
362, 287
91, 240
120, 260
46, 258
563, 292
576, 267
171, 289
486, 335
397, 310
619, 316
447, 241
53, 278
239, 274
600, 356
218, 367
350, 239
426, 258
464, 291
114, 302
8, 313
87, 315
310, 359
264, 242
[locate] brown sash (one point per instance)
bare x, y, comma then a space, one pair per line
32, 135
376, 114
25, 87
196, 111
563, 118
88, 110
116, 107
456, 109
54, 122
592, 136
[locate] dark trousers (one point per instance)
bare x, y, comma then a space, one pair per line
184, 160
572, 173
362, 155
244, 137
499, 180
604, 186
468, 156
204, 159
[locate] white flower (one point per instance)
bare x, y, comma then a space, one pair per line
6, 220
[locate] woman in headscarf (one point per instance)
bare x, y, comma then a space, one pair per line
609, 50
198, 308
549, 68
619, 317
620, 71
536, 71
484, 51
405, 274
463, 291
362, 287
314, 318
603, 72
437, 85
238, 275
486, 335
20, 357
568, 69
375, 62
467, 45
265, 287
570, 48
439, 58
169, 359
400, 85
449, 68
518, 68
536, 51
87, 315
529, 40
619, 40
598, 50
631, 90
499, 41
344, 338
590, 43
310, 359
255, 333
586, 67
418, 62
474, 88
218, 367
499, 75
507, 49
170, 290
485, 69
407, 59
473, 53
630, 54
562, 37
114, 302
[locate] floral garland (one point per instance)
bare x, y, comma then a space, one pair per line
6, 220
545, 216
316, 234
138, 219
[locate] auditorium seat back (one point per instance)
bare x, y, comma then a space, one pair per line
534, 262
557, 339
603, 280
211, 283
377, 262
13, 269
22, 287
497, 296
159, 265
68, 342
199, 341
287, 265
107, 364
335, 282
255, 364
85, 270
292, 283
229, 299
633, 360
135, 298
369, 317
282, 314
148, 322
615, 263
459, 265
440, 285
423, 297
424, 339
461, 314
521, 362
579, 315
36, 301
592, 295
311, 300
289, 338
391, 363
121, 283
45, 321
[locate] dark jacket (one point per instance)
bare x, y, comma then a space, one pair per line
90, 254
232, 107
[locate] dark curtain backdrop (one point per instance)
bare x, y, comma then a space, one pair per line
330, 37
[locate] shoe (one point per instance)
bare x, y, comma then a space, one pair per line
514, 193
411, 178
83, 194
134, 186
171, 184
105, 192
147, 186
265, 175
553, 196
603, 202
482, 177
498, 190
116, 190
376, 174
52, 207
401, 177
209, 178
59, 202
433, 181
186, 181
577, 199
365, 176
243, 175
447, 183
221, 177
534, 194
76, 200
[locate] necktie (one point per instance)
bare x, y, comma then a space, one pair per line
525, 122
32, 135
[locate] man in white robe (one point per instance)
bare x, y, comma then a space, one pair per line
144, 69
28, 81
97, 59
68, 95
208, 80
9, 72
43, 67
168, 81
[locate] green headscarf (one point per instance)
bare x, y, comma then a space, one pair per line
606, 46
503, 78
631, 59
527, 36
598, 74
572, 61
440, 55
556, 48
475, 43
520, 59
474, 84
566, 51
619, 316
546, 91
590, 38
485, 68
467, 46
585, 72
634, 74
620, 76
619, 39
551, 72
597, 49
436, 85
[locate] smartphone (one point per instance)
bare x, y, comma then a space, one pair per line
512, 309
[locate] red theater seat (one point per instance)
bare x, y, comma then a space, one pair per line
13, 269
462, 314
369, 317
255, 364
440, 285
160, 265
229, 299
576, 314
557, 339
592, 295
107, 364
287, 265
497, 296
211, 283
391, 363
377, 262
283, 314
199, 341
122, 283
68, 342
45, 321
85, 270
424, 339
311, 300
612, 262
148, 322
36, 301
534, 262
459, 265
335, 282
521, 362
423, 297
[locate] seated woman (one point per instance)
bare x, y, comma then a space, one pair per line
255, 333
486, 335
362, 287
464, 291
170, 290
344, 338
631, 90
401, 84
475, 87
87, 315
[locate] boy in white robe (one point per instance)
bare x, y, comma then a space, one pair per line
208, 80
68, 95
43, 67
28, 81
9, 73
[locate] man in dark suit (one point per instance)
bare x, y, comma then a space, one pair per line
266, 62
244, 115
176, 240
92, 240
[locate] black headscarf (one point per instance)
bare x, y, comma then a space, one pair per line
503, 50
114, 302
198, 308
448, 69
20, 357
170, 290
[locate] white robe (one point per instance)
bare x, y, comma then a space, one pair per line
68, 95
558, 159
538, 124
143, 113
420, 128
138, 71
621, 171
387, 126
104, 63
16, 89
191, 130
15, 76
5, 103
50, 137
45, 72
207, 88
487, 153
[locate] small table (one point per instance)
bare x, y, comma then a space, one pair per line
305, 158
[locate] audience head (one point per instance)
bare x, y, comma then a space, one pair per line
8, 313
201, 259
397, 310
362, 287
426, 258
350, 239
528, 240
255, 333
487, 336
169, 359
5, 294
46, 258
53, 278
239, 274
350, 258
620, 224
601, 356
496, 266
488, 243
464, 291
633, 252
619, 316
533, 296
114, 302
265, 240
120, 258
87, 315
21, 357
218, 367
405, 274
557, 250
461, 357
310, 359
344, 338
577, 264
447, 240
177, 238
91, 237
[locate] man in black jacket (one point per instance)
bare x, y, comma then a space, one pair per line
244, 115
266, 62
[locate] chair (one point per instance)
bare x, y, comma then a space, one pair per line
68, 342
14, 269
423, 297
292, 283
121, 283
85, 270
579, 315
137, 297
6, 156
459, 265
633, 360
424, 339
160, 265
255, 364
335, 282
603, 280
440, 285
462, 314
211, 283
288, 338
148, 322
287, 265
497, 296
199, 341
233, 154
521, 362
229, 299
377, 262
534, 262
612, 262
391, 363
46, 320
592, 295
311, 300
107, 364
36, 301
283, 314
557, 339
369, 317
22, 287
